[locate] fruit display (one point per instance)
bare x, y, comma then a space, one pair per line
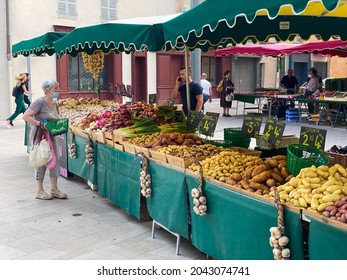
224, 163
194, 151
315, 188
94, 63
160, 139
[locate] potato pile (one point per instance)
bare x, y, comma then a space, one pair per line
260, 178
163, 140
226, 162
315, 188
194, 151
338, 211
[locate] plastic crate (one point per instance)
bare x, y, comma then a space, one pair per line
300, 156
219, 143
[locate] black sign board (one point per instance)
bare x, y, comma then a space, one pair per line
273, 132
251, 126
208, 124
313, 137
62, 155
193, 119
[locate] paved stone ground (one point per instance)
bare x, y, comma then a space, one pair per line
32, 229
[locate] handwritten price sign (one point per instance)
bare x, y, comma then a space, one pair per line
208, 124
251, 126
193, 119
313, 137
273, 132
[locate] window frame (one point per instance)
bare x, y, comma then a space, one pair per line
67, 3
108, 8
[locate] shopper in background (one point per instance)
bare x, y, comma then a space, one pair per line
206, 89
41, 110
19, 99
311, 86
196, 98
26, 97
290, 82
225, 87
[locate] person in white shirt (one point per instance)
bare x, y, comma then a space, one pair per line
206, 89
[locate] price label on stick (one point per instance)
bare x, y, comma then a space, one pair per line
251, 126
208, 124
313, 137
193, 119
273, 132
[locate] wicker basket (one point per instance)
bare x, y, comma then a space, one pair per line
337, 158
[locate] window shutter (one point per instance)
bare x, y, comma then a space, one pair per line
62, 8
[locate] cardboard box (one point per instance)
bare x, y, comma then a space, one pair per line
158, 155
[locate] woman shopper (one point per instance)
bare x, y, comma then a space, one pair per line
311, 86
225, 87
19, 99
41, 110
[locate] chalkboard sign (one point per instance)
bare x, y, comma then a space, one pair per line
273, 132
208, 124
313, 137
251, 126
193, 119
62, 155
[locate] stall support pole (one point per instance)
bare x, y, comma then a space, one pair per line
187, 76
178, 240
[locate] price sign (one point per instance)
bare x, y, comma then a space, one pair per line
193, 119
273, 132
251, 126
313, 137
208, 124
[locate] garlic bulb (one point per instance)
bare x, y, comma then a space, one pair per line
89, 153
286, 253
195, 193
283, 241
72, 150
277, 254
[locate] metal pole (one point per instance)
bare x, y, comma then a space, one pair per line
187, 77
195, 56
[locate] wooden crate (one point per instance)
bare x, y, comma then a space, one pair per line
119, 147
158, 155
79, 132
98, 136
117, 137
129, 148
181, 162
139, 149
109, 139
246, 151
337, 158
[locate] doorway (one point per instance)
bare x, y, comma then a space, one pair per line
139, 79
300, 71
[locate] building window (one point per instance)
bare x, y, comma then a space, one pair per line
67, 8
322, 68
81, 80
209, 66
108, 10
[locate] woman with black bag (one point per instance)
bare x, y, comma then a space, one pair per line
19, 98
226, 88
41, 110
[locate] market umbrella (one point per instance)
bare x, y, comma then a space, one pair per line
333, 47
218, 23
130, 35
39, 45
